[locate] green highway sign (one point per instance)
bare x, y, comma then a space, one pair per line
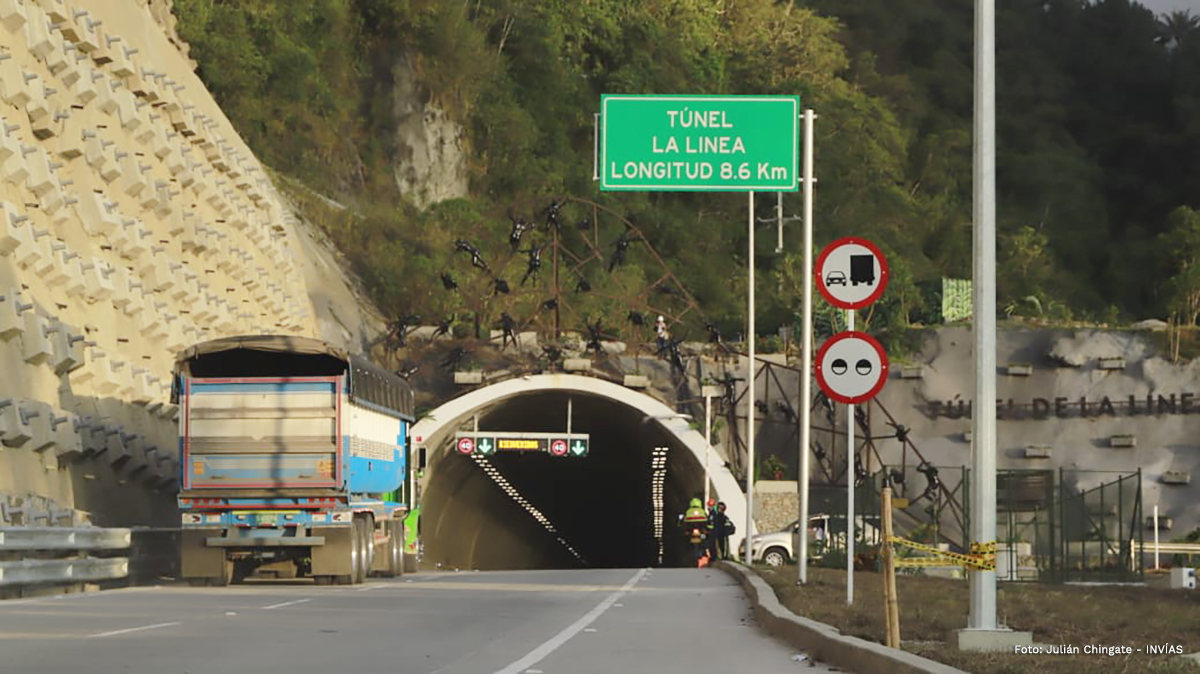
579, 447
485, 446
699, 143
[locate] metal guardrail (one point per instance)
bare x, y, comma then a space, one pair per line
56, 555
1171, 548
62, 538
36, 571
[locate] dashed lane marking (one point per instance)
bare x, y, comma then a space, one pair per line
538, 654
286, 603
132, 629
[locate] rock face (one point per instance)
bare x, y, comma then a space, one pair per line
430, 154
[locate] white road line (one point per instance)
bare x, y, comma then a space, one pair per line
538, 654
286, 603
131, 629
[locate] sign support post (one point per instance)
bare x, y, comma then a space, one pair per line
750, 400
849, 487
806, 350
708, 438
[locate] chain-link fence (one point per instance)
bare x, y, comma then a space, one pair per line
1069, 525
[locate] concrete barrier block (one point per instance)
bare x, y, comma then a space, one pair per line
1180, 477
72, 73
11, 220
12, 324
15, 169
468, 378
15, 83
111, 170
636, 381
127, 110
56, 59
84, 90
95, 149
15, 429
132, 180
106, 96
68, 350
40, 417
36, 348
577, 364
12, 15
81, 376
65, 441
37, 32
107, 376
43, 263
97, 279
63, 258
41, 178
116, 452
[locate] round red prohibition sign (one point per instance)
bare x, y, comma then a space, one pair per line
466, 445
851, 367
558, 447
851, 272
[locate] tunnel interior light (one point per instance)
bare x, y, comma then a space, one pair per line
658, 475
491, 471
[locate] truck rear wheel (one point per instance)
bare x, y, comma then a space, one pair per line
359, 564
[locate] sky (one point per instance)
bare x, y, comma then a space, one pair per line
1161, 6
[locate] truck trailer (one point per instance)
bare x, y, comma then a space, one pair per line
294, 460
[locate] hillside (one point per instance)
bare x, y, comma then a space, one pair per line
436, 121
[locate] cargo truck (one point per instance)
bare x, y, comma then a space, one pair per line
294, 460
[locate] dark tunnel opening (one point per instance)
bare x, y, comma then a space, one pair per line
482, 513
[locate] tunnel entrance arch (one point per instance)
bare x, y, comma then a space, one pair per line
460, 537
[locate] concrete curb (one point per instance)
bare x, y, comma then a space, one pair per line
824, 642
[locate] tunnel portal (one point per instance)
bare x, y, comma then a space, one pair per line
524, 510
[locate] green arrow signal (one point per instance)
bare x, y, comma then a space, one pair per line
485, 446
579, 448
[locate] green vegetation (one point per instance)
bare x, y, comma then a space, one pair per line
1099, 134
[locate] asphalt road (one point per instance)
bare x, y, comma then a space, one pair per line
661, 621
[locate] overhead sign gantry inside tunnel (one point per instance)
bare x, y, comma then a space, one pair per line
490, 442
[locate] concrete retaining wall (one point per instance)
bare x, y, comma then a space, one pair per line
134, 223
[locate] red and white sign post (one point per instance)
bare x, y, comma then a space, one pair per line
851, 367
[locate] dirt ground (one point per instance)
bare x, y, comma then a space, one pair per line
931, 609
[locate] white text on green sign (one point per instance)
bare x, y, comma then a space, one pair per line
695, 143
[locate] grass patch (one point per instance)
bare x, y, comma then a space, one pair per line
931, 609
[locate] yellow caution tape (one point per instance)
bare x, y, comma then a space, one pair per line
982, 557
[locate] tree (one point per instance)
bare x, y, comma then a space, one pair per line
1177, 28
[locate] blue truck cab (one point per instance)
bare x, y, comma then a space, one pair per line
294, 461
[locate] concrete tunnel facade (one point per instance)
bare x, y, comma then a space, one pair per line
600, 504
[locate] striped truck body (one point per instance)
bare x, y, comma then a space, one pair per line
291, 443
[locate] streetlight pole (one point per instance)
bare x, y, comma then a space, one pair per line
982, 615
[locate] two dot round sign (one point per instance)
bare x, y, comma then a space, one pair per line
851, 367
